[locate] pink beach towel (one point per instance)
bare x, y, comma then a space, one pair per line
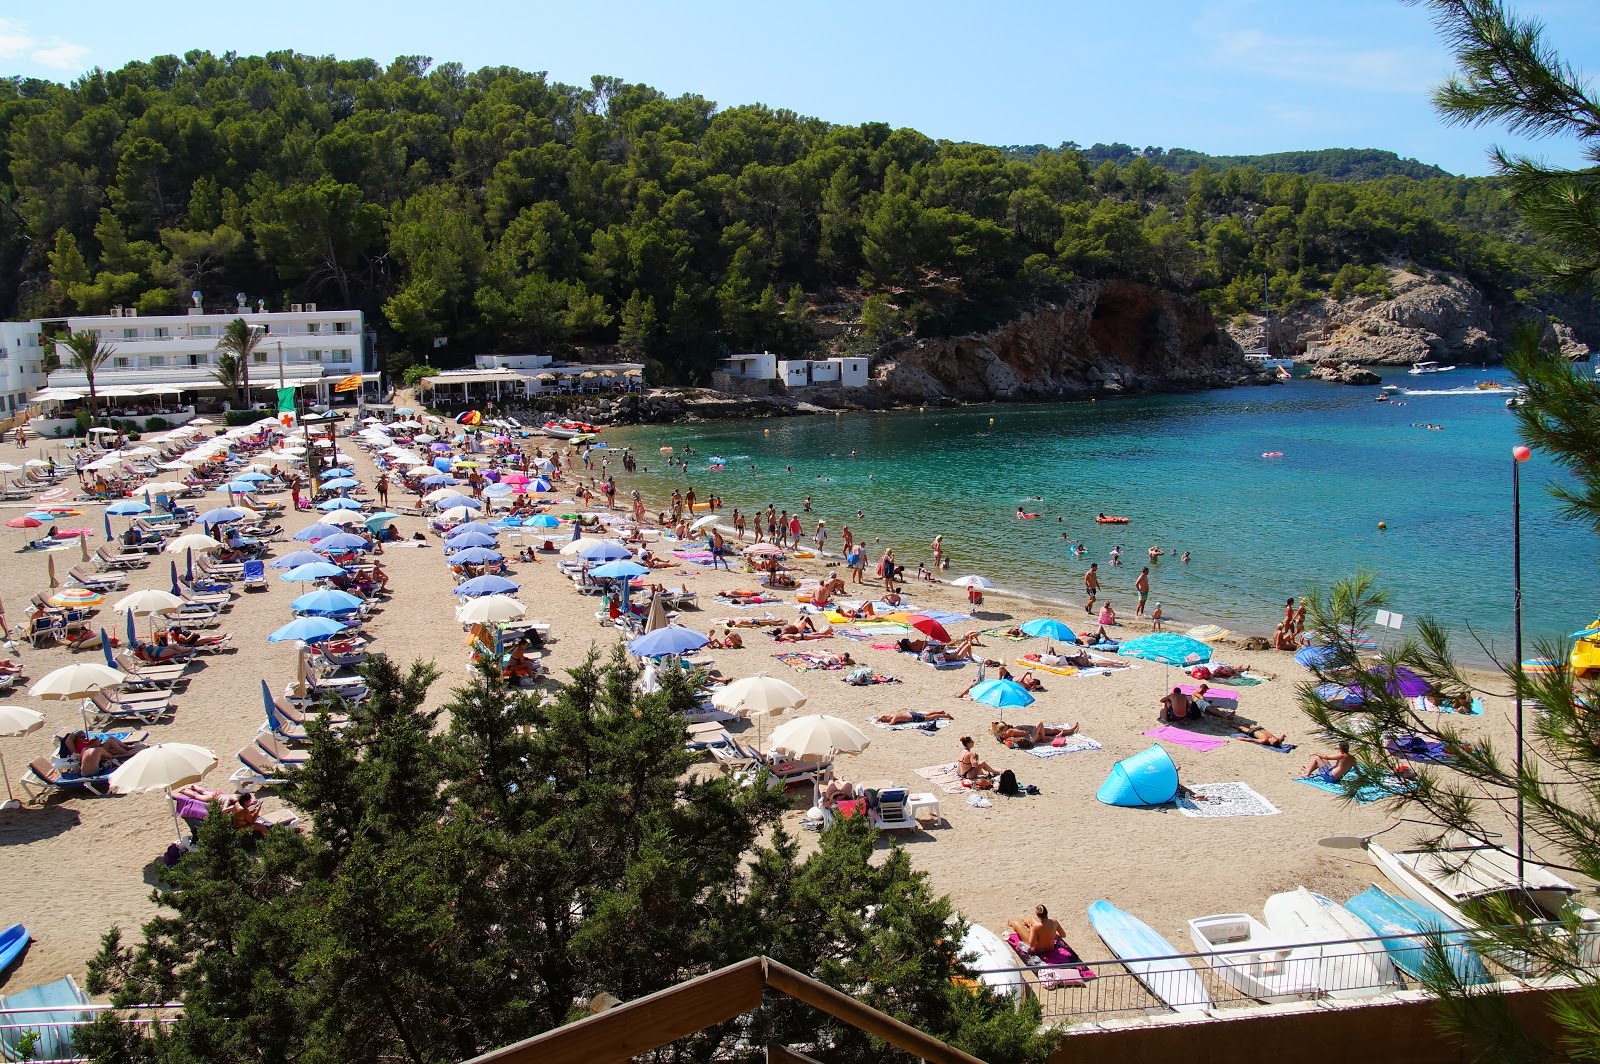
1059, 965
1215, 695
1202, 743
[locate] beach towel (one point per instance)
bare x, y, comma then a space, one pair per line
875, 678
1427, 704
1416, 748
943, 777
930, 664
927, 727
1388, 787
1070, 744
861, 633
1002, 633
1063, 670
884, 646
1058, 966
1216, 695
1284, 749
1202, 743
1225, 800
808, 662
698, 557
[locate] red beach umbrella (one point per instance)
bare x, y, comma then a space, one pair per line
928, 627
23, 522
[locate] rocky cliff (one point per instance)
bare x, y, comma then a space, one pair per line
1106, 338
1437, 317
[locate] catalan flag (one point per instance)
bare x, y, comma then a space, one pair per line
348, 384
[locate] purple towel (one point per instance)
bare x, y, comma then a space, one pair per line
1202, 743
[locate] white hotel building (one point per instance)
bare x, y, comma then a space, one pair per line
21, 364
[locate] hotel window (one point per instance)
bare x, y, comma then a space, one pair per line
342, 355
313, 328
341, 326
120, 362
130, 334
313, 356
200, 330
198, 360
160, 332
258, 357
158, 360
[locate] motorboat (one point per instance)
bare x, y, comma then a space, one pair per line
566, 428
1352, 966
1517, 398
1450, 876
1430, 367
1490, 386
1403, 924
1248, 956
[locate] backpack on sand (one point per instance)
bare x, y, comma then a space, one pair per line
1008, 783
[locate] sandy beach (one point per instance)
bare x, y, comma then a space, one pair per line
78, 866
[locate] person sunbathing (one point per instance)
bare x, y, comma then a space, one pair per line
794, 633
1094, 640
912, 646
834, 791
860, 613
732, 641
92, 752
1029, 682
913, 716
1023, 736
962, 651
754, 622
1255, 733
1330, 768
1037, 932
519, 666
1205, 706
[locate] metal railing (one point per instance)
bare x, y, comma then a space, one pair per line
16, 1023
1202, 983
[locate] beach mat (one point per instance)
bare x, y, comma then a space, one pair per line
1001, 633
1424, 704
1367, 794
1070, 744
1286, 748
807, 663
1065, 670
1057, 966
943, 777
1202, 743
1225, 800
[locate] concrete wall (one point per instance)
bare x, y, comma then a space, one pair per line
723, 381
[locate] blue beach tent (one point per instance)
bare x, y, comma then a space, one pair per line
1147, 778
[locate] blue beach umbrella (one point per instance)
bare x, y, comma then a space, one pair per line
312, 533
342, 484
455, 499
482, 527
1001, 694
127, 508
329, 474
222, 515
326, 600
1049, 628
539, 484
498, 491
306, 630
254, 476
106, 517
1313, 657
618, 570
1167, 648
605, 551
338, 504
312, 571
1340, 695
440, 480
542, 521
466, 540
486, 585
673, 639
442, 464
476, 556
381, 519
241, 487
337, 544
299, 557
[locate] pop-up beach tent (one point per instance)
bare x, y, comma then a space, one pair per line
1147, 778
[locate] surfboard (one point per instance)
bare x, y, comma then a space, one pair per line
14, 939
1174, 982
989, 952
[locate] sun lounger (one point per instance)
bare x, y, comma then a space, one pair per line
258, 769
146, 674
131, 708
83, 576
279, 750
43, 777
113, 559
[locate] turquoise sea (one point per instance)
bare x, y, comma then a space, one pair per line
1190, 473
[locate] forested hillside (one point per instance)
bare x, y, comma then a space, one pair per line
1338, 164
509, 212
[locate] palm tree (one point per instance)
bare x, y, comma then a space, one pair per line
84, 352
226, 372
240, 339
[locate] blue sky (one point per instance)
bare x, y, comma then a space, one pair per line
1227, 77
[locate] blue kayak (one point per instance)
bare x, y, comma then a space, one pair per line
1389, 915
13, 940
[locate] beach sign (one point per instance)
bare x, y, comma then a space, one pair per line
1389, 620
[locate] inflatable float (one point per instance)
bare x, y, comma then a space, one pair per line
1104, 520
1272, 454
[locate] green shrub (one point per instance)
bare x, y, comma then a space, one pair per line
234, 418
157, 424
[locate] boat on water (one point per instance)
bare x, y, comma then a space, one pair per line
1352, 966
1451, 876
1430, 367
566, 429
1247, 955
1402, 923
1517, 398
1169, 977
1105, 520
1490, 386
1261, 358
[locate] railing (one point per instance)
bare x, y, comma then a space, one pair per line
1234, 978
15, 1023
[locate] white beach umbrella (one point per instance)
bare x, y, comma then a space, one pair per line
342, 517
440, 493
491, 609
757, 695
581, 544
704, 522
147, 602
458, 514
195, 541
971, 581
199, 422
15, 720
78, 680
162, 767
818, 736
159, 486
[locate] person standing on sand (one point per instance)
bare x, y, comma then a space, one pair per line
1155, 619
1300, 619
795, 528
1091, 586
1142, 585
938, 551
849, 539
383, 489
821, 536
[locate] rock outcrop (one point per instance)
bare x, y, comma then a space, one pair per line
1344, 373
1107, 338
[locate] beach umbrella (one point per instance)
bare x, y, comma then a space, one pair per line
972, 581
1314, 657
127, 508
342, 484
78, 680
299, 557
23, 522
540, 483
704, 522
515, 479
161, 768
542, 521
452, 499
498, 491
312, 533
306, 630
326, 600
762, 550
313, 571
465, 540
52, 566
485, 585
1167, 648
928, 627
147, 603
458, 514
339, 543
254, 476
1403, 682
1049, 628
673, 639
580, 543
482, 527
15, 720
1347, 697
623, 569
339, 504
1001, 694
440, 480
240, 487
818, 736
382, 519
476, 556
441, 493
343, 518
656, 619
68, 597
191, 541
330, 474
491, 609
755, 696
221, 516
605, 551
1540, 666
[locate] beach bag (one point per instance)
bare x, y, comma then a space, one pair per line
1008, 784
859, 678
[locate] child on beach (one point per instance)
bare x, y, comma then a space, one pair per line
1155, 618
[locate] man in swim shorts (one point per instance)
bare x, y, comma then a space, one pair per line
1142, 585
913, 716
1037, 932
1330, 768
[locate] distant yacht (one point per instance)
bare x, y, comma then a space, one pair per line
1430, 367
1261, 357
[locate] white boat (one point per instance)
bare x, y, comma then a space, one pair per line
1351, 968
1453, 875
993, 964
1430, 367
1247, 955
1516, 399
566, 430
1261, 357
